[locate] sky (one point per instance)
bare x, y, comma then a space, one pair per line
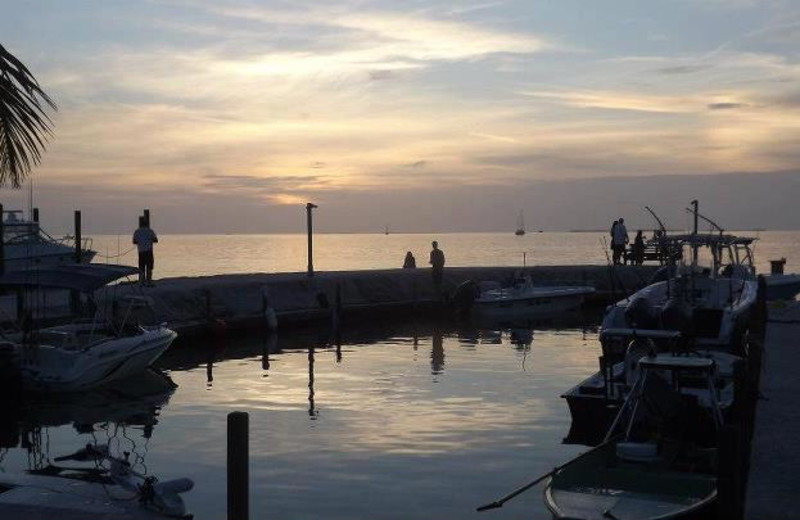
420, 115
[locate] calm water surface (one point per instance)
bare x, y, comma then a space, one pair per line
411, 421
194, 255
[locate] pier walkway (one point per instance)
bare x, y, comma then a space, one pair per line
190, 304
774, 480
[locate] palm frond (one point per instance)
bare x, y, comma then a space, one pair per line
24, 123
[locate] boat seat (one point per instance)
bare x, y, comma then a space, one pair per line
638, 451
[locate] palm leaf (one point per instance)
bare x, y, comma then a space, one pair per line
24, 123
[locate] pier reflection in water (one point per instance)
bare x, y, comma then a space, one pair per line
394, 421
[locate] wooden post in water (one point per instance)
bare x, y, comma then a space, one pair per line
310, 229
146, 216
78, 238
36, 215
729, 465
238, 466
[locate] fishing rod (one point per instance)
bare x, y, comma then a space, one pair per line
706, 219
499, 503
660, 224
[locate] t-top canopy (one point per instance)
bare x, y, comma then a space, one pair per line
79, 277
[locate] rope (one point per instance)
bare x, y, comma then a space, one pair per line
118, 255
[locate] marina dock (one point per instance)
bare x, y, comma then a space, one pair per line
773, 483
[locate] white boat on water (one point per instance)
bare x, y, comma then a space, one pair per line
523, 298
79, 355
26, 245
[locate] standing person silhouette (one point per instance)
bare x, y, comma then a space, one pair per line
144, 238
437, 265
620, 241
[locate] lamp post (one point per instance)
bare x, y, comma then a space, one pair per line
310, 229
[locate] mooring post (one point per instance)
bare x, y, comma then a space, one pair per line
2, 243
238, 466
74, 296
310, 229
36, 215
146, 216
78, 237
729, 465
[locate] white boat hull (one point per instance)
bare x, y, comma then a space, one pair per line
55, 368
535, 301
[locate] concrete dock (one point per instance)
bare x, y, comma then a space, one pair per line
190, 305
774, 480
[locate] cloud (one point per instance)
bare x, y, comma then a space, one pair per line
725, 106
417, 164
684, 69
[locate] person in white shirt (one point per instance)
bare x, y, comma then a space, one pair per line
144, 238
619, 241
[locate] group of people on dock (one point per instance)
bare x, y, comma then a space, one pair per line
619, 245
436, 261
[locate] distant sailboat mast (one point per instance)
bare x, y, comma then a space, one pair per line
520, 225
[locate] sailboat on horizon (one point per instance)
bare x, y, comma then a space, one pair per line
520, 225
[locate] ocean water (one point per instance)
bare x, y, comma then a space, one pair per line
198, 255
401, 421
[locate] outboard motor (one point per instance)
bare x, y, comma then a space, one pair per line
465, 296
640, 314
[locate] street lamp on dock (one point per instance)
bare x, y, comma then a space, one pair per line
309, 229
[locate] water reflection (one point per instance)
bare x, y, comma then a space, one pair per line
437, 353
394, 437
116, 415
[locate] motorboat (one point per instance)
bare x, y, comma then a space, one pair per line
82, 354
109, 488
700, 309
523, 298
26, 245
662, 466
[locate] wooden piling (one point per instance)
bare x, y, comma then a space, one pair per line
146, 216
78, 238
36, 215
730, 501
238, 466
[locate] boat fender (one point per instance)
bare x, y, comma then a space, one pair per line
465, 295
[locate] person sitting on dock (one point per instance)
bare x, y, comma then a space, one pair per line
410, 262
437, 264
144, 238
637, 249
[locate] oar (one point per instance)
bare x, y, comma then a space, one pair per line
499, 503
